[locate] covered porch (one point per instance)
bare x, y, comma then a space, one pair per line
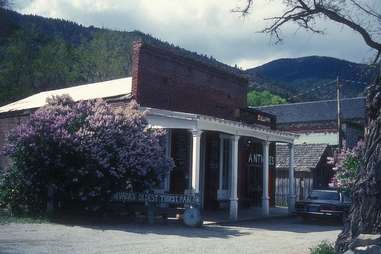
217, 164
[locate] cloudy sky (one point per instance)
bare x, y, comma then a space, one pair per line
207, 27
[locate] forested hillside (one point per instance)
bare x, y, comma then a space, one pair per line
38, 54
310, 78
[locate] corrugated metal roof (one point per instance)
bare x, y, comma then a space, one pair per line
352, 108
306, 156
106, 89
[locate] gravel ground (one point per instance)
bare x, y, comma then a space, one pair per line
270, 236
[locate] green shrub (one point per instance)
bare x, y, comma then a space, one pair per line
7, 219
323, 247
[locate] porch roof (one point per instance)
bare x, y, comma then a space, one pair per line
159, 118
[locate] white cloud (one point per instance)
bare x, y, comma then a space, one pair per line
208, 27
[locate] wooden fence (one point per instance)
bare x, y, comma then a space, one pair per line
303, 186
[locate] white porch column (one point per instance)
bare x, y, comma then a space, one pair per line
221, 166
291, 180
196, 145
233, 211
265, 190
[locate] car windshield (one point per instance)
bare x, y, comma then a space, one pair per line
324, 195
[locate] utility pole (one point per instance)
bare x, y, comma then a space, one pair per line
339, 135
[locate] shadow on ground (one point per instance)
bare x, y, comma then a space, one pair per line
216, 231
292, 224
177, 229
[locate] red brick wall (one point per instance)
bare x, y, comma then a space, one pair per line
164, 80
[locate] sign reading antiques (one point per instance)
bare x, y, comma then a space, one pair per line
129, 197
257, 159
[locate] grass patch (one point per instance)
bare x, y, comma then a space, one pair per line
7, 219
323, 247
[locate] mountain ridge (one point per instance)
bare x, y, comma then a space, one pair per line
311, 77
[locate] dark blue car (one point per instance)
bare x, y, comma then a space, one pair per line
324, 203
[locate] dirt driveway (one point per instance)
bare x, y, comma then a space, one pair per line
270, 236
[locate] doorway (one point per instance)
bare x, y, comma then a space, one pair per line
211, 181
180, 152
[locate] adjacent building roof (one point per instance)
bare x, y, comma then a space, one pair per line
106, 89
352, 108
306, 156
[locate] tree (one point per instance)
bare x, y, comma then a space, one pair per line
54, 66
6, 25
107, 55
364, 18
263, 98
83, 152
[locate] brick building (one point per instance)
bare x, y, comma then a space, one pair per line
222, 150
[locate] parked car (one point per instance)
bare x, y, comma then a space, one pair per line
324, 203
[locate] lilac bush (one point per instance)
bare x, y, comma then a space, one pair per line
347, 165
83, 152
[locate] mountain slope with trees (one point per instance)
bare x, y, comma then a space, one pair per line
38, 54
311, 78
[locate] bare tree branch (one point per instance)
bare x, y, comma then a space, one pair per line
366, 10
361, 30
244, 11
304, 13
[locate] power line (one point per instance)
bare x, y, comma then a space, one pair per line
328, 83
354, 81
313, 89
338, 101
